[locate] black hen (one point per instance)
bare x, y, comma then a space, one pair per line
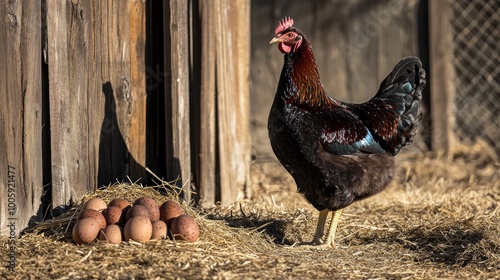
339, 152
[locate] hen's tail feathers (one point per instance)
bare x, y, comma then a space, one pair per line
404, 88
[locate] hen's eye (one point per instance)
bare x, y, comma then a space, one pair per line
290, 35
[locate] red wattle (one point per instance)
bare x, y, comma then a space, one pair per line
284, 48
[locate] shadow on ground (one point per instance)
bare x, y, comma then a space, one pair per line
274, 228
449, 244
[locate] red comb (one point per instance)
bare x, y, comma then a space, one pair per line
284, 24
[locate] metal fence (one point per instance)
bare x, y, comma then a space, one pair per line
476, 59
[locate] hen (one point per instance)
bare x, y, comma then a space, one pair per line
339, 152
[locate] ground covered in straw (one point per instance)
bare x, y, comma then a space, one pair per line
439, 219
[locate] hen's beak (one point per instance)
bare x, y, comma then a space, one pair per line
274, 40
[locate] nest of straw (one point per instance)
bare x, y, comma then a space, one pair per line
439, 219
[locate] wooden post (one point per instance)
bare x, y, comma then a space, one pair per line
64, 108
119, 93
207, 157
135, 136
232, 27
177, 93
441, 75
239, 18
20, 115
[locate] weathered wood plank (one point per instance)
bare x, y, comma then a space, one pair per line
64, 108
20, 115
239, 21
177, 93
120, 89
207, 157
135, 136
74, 109
232, 20
225, 114
441, 75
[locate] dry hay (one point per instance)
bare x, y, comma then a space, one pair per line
439, 219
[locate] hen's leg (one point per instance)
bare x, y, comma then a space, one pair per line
320, 228
330, 241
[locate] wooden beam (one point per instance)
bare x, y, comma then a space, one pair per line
240, 20
63, 106
20, 115
207, 157
232, 58
441, 75
119, 95
135, 137
177, 93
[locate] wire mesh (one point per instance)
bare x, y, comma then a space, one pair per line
476, 31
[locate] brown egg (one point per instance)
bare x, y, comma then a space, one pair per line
85, 231
113, 215
94, 214
159, 230
95, 203
112, 233
137, 210
185, 227
170, 210
154, 212
138, 228
120, 203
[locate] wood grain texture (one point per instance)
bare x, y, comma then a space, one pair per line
441, 75
239, 19
63, 108
177, 93
207, 137
136, 115
20, 114
120, 90
232, 49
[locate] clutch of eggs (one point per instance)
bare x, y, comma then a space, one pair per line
139, 221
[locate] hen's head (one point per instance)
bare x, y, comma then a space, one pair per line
288, 37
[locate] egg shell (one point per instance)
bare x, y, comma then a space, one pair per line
154, 211
121, 203
112, 233
138, 228
185, 228
160, 230
95, 203
169, 210
94, 214
85, 231
137, 210
113, 215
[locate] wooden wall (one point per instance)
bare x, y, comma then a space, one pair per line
20, 114
356, 43
97, 94
93, 92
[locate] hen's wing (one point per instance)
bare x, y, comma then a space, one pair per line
385, 123
393, 114
344, 133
